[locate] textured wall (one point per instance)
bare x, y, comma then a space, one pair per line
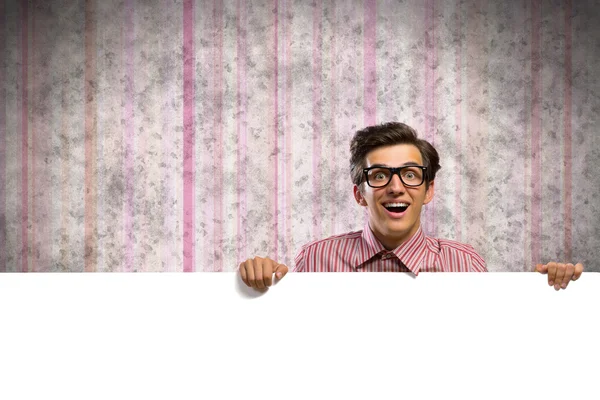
190, 135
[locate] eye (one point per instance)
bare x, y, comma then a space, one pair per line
380, 176
410, 175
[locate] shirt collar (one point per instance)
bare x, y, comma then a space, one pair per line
411, 252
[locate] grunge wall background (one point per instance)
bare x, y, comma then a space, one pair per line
190, 135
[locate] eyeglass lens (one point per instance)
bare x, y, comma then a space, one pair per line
410, 176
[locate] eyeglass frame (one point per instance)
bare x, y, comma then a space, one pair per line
394, 171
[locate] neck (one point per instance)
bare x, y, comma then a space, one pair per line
392, 242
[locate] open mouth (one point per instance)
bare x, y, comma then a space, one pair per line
396, 208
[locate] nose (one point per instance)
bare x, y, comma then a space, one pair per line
395, 185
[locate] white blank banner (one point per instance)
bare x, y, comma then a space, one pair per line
312, 336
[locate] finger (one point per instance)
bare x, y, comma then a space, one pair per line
250, 273
258, 273
244, 274
560, 274
541, 268
551, 273
280, 271
268, 272
578, 271
569, 270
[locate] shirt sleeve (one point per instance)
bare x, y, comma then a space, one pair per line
477, 263
299, 261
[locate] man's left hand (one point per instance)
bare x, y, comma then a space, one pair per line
559, 275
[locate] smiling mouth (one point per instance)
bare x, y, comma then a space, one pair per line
396, 208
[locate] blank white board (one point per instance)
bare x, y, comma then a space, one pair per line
312, 336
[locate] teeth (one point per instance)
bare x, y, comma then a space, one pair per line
396, 205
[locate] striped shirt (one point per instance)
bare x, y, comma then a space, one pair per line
362, 251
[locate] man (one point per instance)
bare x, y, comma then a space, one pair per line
393, 172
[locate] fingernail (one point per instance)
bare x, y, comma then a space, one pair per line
556, 286
278, 275
564, 285
550, 283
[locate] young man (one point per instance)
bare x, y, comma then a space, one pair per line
393, 172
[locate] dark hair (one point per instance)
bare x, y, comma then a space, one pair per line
389, 134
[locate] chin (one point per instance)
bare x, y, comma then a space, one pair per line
398, 227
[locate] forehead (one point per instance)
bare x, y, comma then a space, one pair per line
395, 155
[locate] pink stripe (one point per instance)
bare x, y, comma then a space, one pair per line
241, 129
323, 256
188, 136
240, 7
101, 237
370, 70
536, 132
458, 133
288, 134
90, 214
276, 131
24, 139
430, 97
567, 153
334, 102
317, 116
3, 222
33, 250
330, 252
218, 131
429, 72
64, 175
526, 235
284, 159
129, 136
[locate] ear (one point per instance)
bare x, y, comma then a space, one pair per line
359, 197
429, 193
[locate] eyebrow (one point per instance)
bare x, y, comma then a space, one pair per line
407, 164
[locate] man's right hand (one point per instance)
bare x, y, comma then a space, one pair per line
258, 272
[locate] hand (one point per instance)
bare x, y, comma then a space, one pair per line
258, 272
560, 275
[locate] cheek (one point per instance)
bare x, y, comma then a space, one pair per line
368, 197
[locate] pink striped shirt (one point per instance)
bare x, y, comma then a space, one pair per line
361, 251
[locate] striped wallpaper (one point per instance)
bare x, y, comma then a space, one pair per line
189, 135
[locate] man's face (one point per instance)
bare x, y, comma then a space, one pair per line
394, 228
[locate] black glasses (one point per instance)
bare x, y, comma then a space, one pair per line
410, 175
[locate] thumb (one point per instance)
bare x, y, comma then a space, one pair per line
280, 271
541, 268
